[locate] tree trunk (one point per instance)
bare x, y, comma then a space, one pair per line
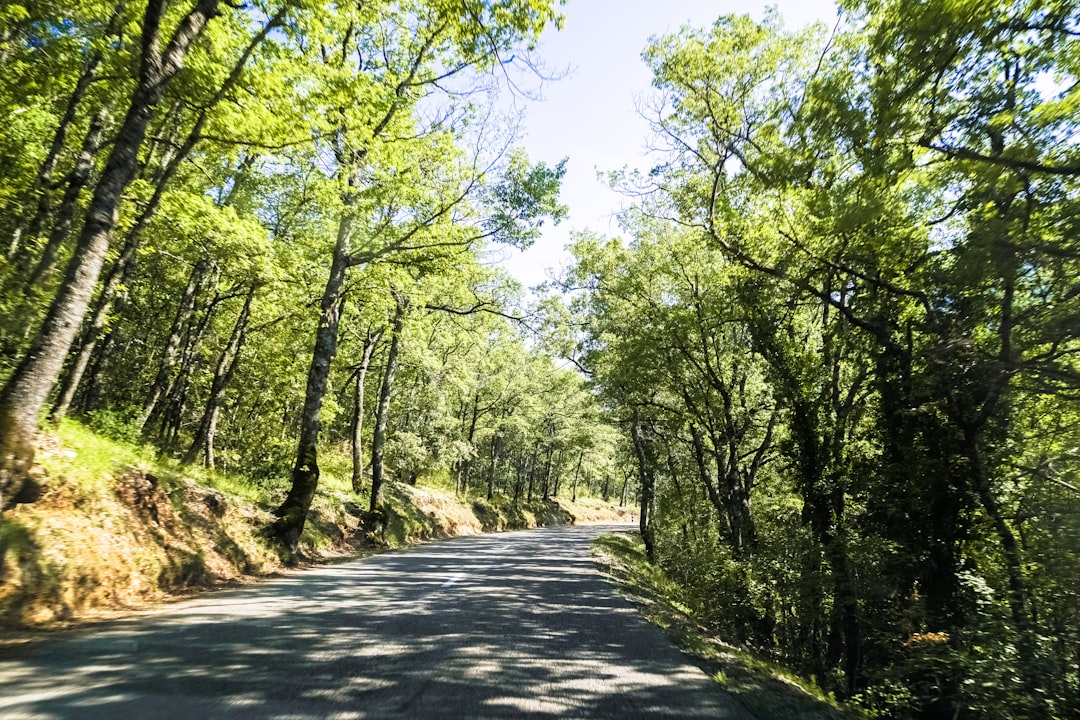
382, 413
494, 466
532, 470
91, 397
726, 532
43, 183
292, 513
27, 389
118, 276
545, 488
172, 343
76, 181
1014, 565
223, 374
211, 434
121, 270
519, 478
645, 473
577, 472
15, 243
557, 475
370, 341
845, 612
176, 395
466, 465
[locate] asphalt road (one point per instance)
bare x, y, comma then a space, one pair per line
514, 625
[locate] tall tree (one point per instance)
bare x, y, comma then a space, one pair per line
432, 45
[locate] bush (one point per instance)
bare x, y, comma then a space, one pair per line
119, 425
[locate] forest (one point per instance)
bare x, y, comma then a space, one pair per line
833, 356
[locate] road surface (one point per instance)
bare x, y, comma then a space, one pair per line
514, 625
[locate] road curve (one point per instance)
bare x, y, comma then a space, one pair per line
514, 625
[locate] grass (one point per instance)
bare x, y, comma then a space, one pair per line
89, 461
768, 690
86, 459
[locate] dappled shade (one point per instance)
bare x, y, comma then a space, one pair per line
516, 625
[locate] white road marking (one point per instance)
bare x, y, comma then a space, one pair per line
453, 579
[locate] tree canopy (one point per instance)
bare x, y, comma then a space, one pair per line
841, 339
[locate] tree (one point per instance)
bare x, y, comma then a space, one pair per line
409, 216
162, 55
879, 212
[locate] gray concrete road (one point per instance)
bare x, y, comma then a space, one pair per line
514, 625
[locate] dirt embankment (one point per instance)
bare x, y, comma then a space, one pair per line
415, 514
128, 537
129, 542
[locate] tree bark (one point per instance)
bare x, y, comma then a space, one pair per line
577, 472
76, 181
466, 465
172, 343
176, 394
532, 470
382, 413
519, 478
117, 277
494, 466
26, 391
725, 529
44, 179
223, 374
1014, 565
292, 513
643, 452
121, 269
545, 488
370, 341
91, 397
557, 475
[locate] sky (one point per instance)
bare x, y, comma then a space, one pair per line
590, 115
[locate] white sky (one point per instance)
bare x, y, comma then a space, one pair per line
590, 116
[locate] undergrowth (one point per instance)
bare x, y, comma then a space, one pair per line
768, 690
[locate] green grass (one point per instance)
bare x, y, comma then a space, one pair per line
88, 459
768, 690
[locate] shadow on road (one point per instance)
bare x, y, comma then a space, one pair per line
516, 625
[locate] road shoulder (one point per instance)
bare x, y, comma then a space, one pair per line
765, 689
